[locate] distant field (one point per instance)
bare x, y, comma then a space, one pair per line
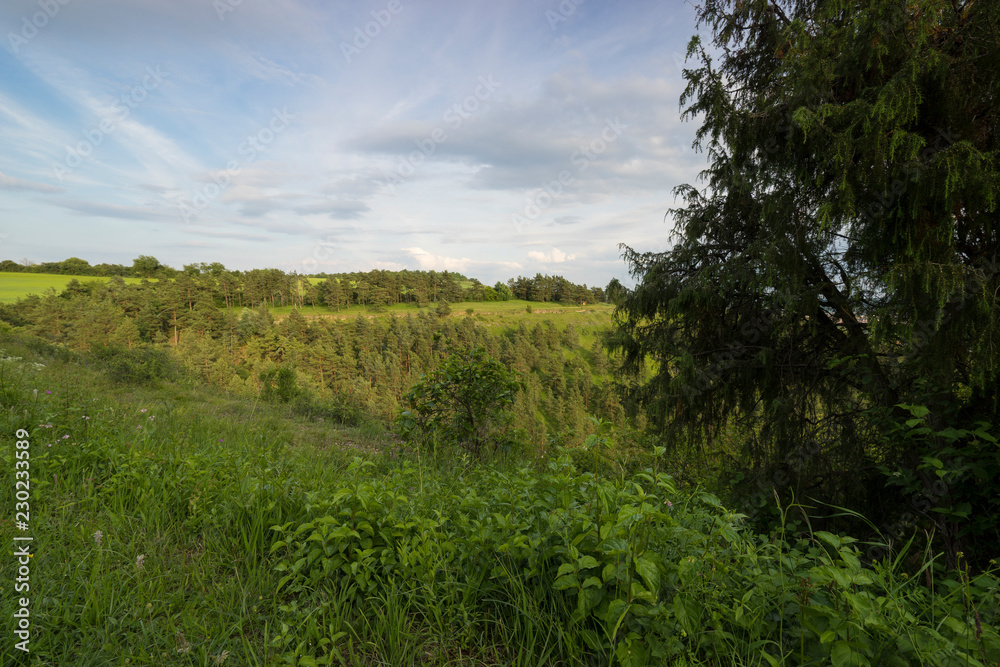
495, 312
14, 286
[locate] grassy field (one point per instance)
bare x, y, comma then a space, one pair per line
14, 286
478, 307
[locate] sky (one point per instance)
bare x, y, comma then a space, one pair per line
494, 139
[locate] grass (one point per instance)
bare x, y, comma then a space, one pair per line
16, 285
457, 309
587, 319
175, 525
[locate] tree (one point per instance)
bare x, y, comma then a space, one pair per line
145, 266
76, 267
463, 402
842, 258
503, 292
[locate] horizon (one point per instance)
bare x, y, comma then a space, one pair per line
492, 140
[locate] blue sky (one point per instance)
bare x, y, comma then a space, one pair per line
489, 138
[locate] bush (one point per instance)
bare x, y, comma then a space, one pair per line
279, 384
463, 402
138, 365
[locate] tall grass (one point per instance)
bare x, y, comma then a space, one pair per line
175, 526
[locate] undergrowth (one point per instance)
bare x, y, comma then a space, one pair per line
184, 531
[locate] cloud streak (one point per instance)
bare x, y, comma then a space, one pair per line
414, 152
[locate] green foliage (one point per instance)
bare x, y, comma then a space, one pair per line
254, 322
463, 402
631, 572
146, 266
955, 487
138, 365
174, 529
279, 383
843, 254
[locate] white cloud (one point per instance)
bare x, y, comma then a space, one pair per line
431, 262
554, 256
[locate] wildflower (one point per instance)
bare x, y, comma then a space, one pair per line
48, 392
86, 417
668, 503
221, 658
97, 537
66, 437
143, 410
152, 417
138, 561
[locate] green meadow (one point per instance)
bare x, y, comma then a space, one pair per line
16, 285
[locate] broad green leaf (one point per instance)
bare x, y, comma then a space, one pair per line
567, 581
632, 651
842, 655
650, 574
829, 538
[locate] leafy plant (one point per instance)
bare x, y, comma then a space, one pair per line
463, 402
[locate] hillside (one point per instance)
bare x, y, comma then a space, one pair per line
176, 525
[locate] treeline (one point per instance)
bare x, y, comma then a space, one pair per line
373, 289
348, 370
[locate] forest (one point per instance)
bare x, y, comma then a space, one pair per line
778, 443
320, 356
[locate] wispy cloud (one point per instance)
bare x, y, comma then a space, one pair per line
9, 183
414, 100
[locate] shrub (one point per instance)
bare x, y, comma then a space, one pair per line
463, 402
138, 365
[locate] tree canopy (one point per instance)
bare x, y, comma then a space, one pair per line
840, 259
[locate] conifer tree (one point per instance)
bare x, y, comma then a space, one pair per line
841, 259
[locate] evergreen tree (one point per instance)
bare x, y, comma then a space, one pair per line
842, 258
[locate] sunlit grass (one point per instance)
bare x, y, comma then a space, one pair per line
15, 285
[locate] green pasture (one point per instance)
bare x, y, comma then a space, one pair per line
14, 285
488, 311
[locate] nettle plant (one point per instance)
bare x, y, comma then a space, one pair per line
570, 567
